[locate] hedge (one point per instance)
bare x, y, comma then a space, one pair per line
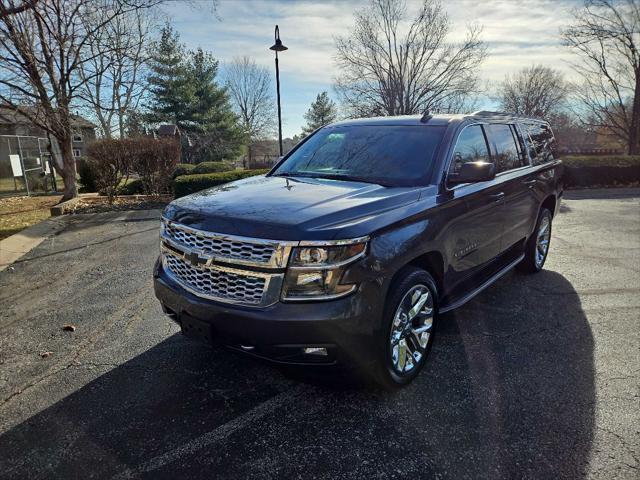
183, 169
132, 187
212, 167
596, 171
187, 184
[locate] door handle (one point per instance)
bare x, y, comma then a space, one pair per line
529, 183
497, 196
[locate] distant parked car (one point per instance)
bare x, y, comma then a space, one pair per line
351, 247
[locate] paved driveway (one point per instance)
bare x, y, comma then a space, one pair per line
537, 377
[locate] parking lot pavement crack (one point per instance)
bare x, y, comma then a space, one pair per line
628, 447
41, 379
83, 348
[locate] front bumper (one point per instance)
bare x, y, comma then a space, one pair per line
346, 327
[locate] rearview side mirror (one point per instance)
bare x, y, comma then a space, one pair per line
473, 172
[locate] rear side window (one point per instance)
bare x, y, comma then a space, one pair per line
470, 147
504, 148
541, 143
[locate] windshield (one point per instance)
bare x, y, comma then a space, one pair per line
390, 155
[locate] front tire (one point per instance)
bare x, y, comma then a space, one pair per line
407, 335
537, 247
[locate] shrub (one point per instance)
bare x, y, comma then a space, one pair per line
154, 160
87, 177
132, 187
212, 167
595, 171
182, 169
188, 184
601, 161
110, 162
113, 160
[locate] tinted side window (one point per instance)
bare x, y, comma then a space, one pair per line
542, 143
506, 156
470, 147
520, 143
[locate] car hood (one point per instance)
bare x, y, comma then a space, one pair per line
293, 208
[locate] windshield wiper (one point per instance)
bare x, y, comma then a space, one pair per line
334, 176
352, 178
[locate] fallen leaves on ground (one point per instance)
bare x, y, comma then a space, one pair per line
18, 213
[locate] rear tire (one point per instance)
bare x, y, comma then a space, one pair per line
537, 247
409, 320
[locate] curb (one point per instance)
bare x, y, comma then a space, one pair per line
65, 207
17, 245
61, 208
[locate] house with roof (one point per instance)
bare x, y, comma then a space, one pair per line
15, 123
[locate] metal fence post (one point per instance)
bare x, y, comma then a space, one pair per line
24, 172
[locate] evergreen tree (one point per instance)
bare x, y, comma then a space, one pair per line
322, 112
211, 121
171, 93
184, 92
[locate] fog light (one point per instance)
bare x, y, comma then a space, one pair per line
315, 351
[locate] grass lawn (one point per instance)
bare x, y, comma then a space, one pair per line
18, 213
7, 185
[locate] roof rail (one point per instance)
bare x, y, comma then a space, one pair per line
488, 113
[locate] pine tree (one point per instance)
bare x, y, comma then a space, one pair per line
211, 121
184, 92
171, 93
322, 112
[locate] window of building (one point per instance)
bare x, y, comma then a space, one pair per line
77, 137
76, 152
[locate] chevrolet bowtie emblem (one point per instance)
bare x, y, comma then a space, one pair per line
194, 259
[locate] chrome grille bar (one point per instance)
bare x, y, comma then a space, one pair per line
231, 249
223, 267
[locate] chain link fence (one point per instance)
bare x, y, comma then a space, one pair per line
26, 165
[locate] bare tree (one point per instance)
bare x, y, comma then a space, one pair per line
41, 52
251, 93
535, 91
11, 7
113, 76
605, 35
391, 65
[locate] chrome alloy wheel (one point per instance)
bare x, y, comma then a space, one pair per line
411, 329
542, 240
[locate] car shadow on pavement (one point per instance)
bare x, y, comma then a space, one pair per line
508, 393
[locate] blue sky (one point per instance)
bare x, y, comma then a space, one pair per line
518, 34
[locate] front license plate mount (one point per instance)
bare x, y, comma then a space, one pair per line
196, 329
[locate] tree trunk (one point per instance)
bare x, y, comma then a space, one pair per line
68, 170
634, 132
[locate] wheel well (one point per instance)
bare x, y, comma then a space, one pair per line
433, 263
549, 203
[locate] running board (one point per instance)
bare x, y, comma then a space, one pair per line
485, 284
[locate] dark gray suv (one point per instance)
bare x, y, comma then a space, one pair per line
353, 245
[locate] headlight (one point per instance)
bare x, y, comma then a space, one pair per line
315, 270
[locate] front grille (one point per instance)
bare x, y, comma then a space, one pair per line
220, 246
216, 283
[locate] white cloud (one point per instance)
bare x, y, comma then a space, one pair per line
518, 34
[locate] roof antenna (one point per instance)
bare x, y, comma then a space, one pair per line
425, 117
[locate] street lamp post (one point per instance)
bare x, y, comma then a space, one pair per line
278, 47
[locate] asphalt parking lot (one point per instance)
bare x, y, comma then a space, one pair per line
537, 377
